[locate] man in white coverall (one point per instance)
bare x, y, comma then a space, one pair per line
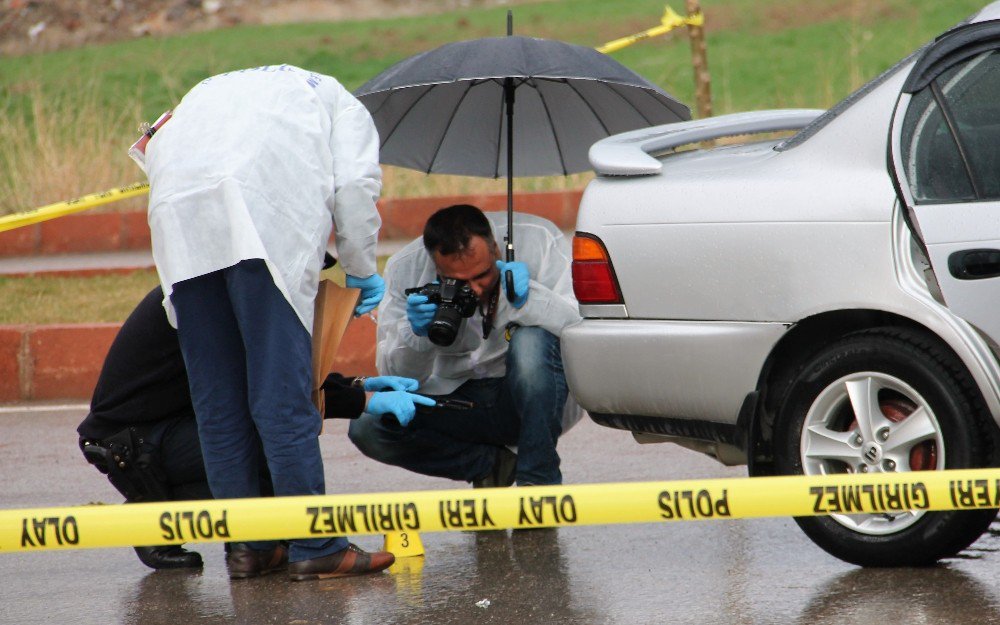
505, 359
244, 179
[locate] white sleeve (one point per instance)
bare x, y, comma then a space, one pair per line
551, 304
398, 350
357, 183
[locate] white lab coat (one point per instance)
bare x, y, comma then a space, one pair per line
551, 305
253, 165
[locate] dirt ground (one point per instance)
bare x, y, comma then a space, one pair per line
42, 25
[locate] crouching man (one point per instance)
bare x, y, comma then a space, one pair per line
141, 431
461, 338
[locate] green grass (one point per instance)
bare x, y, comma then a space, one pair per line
96, 299
66, 117
755, 60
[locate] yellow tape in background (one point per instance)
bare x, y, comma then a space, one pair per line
59, 209
668, 22
499, 508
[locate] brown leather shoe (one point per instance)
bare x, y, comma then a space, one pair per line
244, 562
346, 563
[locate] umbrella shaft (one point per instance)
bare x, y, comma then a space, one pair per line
508, 87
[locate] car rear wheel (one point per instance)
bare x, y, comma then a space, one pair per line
883, 401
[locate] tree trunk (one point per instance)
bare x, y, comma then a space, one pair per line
699, 61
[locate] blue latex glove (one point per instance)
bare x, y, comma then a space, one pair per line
400, 404
372, 290
522, 280
390, 383
420, 313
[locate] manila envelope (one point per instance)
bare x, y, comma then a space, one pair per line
334, 309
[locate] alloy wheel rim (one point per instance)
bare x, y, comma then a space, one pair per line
871, 422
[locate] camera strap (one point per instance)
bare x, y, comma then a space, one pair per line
490, 311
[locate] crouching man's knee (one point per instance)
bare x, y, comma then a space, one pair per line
533, 356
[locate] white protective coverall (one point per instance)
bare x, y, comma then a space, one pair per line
252, 165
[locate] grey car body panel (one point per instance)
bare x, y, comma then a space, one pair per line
715, 364
715, 264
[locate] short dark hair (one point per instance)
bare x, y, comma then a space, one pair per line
448, 231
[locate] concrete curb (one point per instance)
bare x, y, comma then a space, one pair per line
64, 361
402, 219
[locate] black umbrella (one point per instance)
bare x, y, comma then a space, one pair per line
451, 110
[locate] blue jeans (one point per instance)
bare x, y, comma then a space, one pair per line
523, 408
249, 366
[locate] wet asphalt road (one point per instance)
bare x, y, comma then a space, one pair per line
738, 571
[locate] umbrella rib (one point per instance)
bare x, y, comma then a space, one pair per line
586, 102
552, 127
402, 117
454, 112
382, 104
611, 87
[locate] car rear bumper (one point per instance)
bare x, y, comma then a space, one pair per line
674, 369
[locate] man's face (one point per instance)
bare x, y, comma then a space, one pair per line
476, 264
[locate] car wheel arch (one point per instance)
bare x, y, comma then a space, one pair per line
803, 340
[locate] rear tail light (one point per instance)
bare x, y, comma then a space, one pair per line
594, 280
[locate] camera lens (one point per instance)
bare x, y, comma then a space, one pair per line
444, 327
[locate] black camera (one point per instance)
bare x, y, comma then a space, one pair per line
455, 301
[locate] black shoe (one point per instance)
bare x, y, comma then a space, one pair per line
503, 472
169, 557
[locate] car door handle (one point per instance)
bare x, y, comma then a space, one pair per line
974, 264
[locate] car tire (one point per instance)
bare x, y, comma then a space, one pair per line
818, 431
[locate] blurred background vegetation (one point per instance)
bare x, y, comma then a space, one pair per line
67, 117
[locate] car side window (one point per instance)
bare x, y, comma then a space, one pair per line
951, 134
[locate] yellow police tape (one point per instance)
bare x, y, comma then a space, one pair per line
668, 22
489, 509
59, 209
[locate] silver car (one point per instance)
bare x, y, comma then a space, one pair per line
826, 303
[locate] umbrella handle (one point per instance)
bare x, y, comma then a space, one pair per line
508, 277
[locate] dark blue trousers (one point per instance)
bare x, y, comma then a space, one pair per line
523, 408
249, 365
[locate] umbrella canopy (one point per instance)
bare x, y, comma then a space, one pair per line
444, 111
